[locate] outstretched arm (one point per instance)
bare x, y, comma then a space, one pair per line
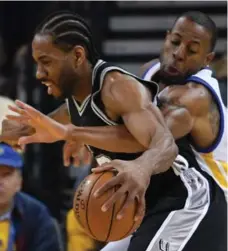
13, 130
110, 138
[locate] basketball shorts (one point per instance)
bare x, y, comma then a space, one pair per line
185, 211
190, 216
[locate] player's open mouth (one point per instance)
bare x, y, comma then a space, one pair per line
173, 70
49, 86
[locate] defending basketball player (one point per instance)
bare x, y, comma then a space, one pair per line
185, 53
190, 99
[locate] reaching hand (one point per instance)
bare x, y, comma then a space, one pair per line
78, 152
47, 130
131, 180
12, 131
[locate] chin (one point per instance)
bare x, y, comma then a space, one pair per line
169, 79
60, 96
57, 94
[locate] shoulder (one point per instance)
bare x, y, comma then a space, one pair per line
200, 92
115, 80
120, 88
195, 96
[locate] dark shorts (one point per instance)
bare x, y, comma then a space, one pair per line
192, 216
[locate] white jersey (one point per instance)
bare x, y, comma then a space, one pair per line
212, 160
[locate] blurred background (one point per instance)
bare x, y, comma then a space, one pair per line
128, 33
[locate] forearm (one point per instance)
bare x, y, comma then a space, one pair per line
109, 138
160, 157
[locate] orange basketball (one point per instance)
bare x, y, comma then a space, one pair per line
102, 226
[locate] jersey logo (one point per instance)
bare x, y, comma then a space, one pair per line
163, 245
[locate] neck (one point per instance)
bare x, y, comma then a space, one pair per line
84, 87
5, 208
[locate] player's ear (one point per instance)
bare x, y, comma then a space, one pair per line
79, 55
209, 58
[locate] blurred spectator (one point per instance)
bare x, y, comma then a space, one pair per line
25, 223
77, 239
3, 79
4, 102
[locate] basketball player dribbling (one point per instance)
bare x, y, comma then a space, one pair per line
182, 201
100, 94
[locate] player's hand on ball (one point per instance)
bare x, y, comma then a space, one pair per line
76, 152
130, 180
47, 130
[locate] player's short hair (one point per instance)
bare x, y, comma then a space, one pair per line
67, 30
203, 20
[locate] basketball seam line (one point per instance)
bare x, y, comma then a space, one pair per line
134, 222
110, 226
87, 220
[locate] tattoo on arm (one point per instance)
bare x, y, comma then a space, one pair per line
214, 117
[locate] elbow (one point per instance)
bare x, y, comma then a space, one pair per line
171, 147
175, 150
172, 150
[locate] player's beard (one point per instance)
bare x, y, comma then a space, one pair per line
67, 83
167, 79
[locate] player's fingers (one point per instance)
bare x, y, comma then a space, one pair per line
82, 152
20, 104
106, 167
30, 111
128, 201
28, 140
87, 157
116, 180
103, 168
116, 196
140, 211
76, 150
21, 119
76, 161
66, 154
16, 109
